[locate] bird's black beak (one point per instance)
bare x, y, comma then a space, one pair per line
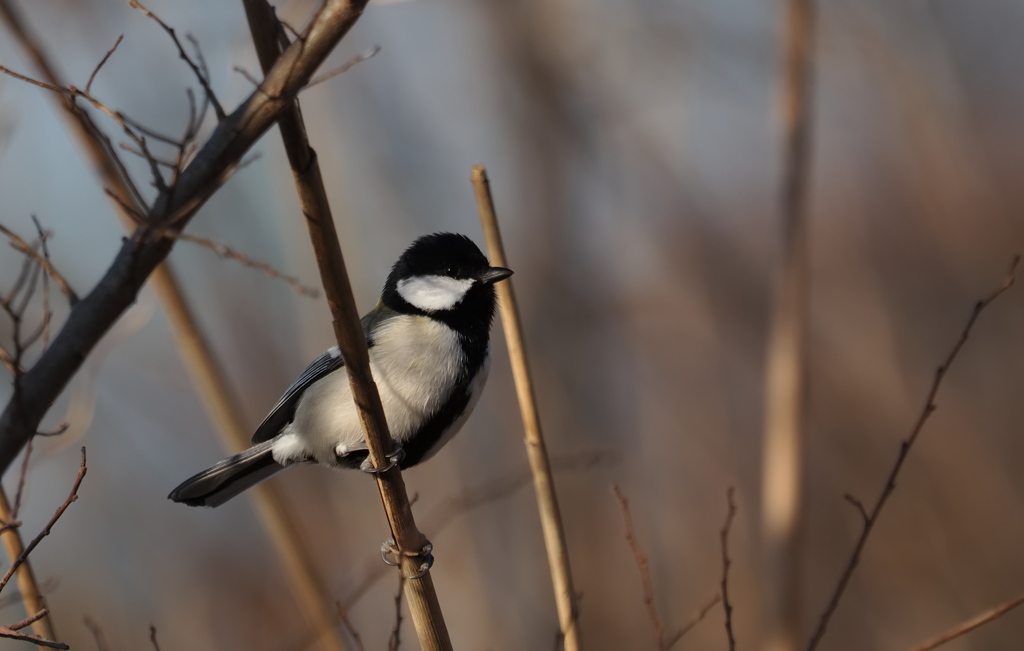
494, 274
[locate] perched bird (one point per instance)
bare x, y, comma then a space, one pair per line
428, 339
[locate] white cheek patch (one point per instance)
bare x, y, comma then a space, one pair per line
432, 293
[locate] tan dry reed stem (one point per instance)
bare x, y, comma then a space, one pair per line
210, 380
782, 512
543, 481
423, 604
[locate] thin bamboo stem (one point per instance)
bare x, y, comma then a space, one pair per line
423, 604
543, 481
210, 380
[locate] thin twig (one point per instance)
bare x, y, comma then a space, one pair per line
152, 638
88, 85
697, 619
49, 525
345, 622
31, 619
345, 66
543, 481
97, 633
395, 639
12, 633
890, 481
47, 312
229, 253
726, 562
44, 262
966, 627
22, 474
641, 563
196, 69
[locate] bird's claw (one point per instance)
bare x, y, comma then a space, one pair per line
394, 459
389, 553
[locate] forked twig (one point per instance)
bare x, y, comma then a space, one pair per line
890, 481
359, 58
966, 627
103, 61
49, 525
198, 70
726, 562
11, 632
343, 616
395, 639
641, 563
697, 619
229, 253
31, 252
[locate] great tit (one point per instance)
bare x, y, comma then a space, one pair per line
428, 339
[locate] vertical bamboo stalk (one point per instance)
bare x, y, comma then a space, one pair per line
543, 482
786, 369
26, 578
211, 384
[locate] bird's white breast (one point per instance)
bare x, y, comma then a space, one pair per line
415, 362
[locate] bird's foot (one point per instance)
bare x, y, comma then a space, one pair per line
390, 553
394, 459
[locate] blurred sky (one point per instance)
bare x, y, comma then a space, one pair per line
634, 154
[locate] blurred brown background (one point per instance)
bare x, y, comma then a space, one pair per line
635, 156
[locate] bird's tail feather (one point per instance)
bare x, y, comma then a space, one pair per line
222, 481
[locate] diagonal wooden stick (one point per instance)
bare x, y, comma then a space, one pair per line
543, 481
419, 587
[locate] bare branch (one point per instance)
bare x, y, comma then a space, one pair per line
344, 67
88, 85
204, 80
726, 562
343, 617
142, 252
97, 633
152, 638
248, 75
229, 253
641, 562
43, 261
966, 627
857, 504
890, 481
11, 633
49, 525
31, 619
395, 639
697, 619
22, 475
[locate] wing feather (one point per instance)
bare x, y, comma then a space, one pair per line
284, 410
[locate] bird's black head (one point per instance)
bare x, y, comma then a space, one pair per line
446, 277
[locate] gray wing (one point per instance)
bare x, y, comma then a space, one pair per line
284, 411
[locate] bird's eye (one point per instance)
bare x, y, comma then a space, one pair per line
451, 270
